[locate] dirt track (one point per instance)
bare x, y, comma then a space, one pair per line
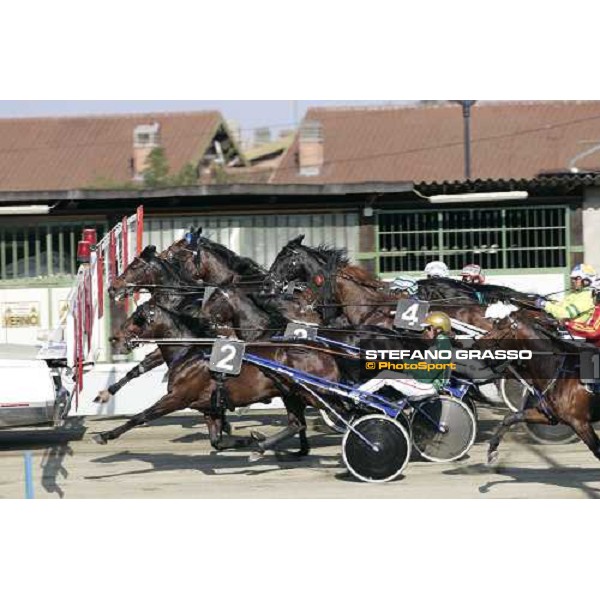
173, 459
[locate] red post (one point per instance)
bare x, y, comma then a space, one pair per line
79, 378
140, 230
76, 350
89, 308
100, 283
125, 254
112, 257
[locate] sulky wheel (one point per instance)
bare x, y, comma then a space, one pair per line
392, 452
443, 429
513, 393
548, 434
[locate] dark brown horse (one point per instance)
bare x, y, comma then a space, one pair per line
191, 384
366, 300
554, 373
176, 273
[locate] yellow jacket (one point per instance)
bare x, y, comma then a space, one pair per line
577, 306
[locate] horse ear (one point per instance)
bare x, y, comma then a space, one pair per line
148, 252
199, 231
296, 241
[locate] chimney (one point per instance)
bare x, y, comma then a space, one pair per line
145, 139
262, 135
311, 148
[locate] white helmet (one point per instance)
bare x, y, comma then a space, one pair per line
437, 268
405, 284
585, 272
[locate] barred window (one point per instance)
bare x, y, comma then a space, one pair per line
42, 250
508, 238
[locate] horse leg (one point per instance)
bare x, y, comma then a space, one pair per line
167, 404
301, 417
216, 426
151, 361
587, 434
529, 415
296, 424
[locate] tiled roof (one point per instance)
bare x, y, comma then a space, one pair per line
510, 140
77, 152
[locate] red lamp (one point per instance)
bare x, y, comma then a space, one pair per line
90, 235
84, 251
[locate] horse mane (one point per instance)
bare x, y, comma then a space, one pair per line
361, 276
199, 325
432, 289
493, 293
331, 255
240, 264
277, 320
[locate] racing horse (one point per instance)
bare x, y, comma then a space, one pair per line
365, 299
185, 268
362, 298
554, 375
191, 384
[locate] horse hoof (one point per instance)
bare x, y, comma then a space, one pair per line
255, 456
103, 397
99, 439
258, 436
493, 457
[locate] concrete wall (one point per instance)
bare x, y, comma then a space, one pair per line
45, 304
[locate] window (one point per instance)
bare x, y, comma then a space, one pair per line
507, 238
42, 250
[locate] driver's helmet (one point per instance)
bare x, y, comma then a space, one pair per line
438, 320
587, 273
437, 268
472, 274
405, 284
595, 287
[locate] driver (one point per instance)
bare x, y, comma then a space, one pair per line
421, 384
472, 274
590, 330
578, 305
436, 269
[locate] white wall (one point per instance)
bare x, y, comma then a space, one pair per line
539, 284
46, 301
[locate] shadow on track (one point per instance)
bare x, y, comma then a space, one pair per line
209, 464
554, 474
56, 446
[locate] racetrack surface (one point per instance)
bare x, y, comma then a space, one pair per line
172, 458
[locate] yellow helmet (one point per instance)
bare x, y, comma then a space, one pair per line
439, 320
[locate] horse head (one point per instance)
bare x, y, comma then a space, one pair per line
139, 272
302, 264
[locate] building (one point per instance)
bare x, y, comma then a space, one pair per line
391, 226
546, 148
46, 160
424, 143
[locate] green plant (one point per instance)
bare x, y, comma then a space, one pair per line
156, 173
